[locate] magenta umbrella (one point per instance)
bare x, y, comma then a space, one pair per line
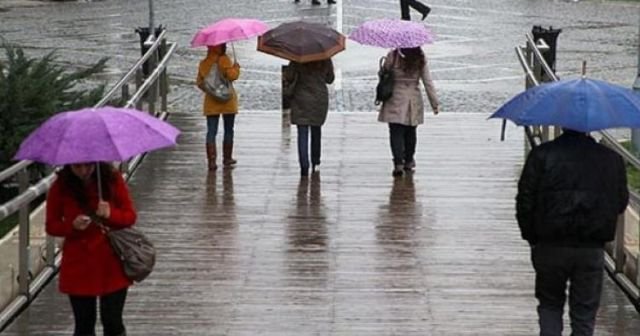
93, 135
228, 30
390, 33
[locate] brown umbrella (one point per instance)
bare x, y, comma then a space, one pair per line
301, 42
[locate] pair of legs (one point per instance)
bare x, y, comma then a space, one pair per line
111, 306
303, 147
406, 5
227, 139
403, 141
583, 269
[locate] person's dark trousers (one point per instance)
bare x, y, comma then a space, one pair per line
406, 5
111, 307
582, 268
403, 140
410, 139
303, 146
212, 128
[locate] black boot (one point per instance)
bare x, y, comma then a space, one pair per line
315, 2
331, 2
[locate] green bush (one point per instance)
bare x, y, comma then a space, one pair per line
32, 90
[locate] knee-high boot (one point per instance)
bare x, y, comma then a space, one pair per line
227, 152
211, 156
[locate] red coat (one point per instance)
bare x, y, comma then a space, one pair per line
89, 265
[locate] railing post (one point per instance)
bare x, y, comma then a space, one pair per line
125, 93
164, 79
139, 76
618, 248
152, 93
23, 243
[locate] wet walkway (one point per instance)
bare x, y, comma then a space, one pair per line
257, 251
352, 251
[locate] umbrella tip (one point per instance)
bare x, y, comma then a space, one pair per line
584, 69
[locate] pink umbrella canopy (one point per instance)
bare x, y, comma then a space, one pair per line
228, 30
390, 33
92, 135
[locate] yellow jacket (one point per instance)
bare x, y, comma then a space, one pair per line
229, 71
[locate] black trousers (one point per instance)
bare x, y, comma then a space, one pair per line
111, 307
406, 5
556, 266
403, 141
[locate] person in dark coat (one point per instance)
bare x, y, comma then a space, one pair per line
309, 106
90, 271
570, 194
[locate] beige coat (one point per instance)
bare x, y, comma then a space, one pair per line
405, 105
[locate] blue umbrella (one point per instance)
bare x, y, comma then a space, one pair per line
580, 104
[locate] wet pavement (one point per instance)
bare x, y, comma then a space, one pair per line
257, 250
350, 251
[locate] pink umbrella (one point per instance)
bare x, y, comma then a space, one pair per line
389, 33
228, 30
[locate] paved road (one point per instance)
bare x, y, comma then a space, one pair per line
473, 61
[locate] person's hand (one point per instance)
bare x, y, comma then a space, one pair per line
436, 110
104, 210
81, 222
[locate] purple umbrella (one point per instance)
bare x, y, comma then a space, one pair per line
92, 135
387, 33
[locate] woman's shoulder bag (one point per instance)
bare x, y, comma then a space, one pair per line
384, 89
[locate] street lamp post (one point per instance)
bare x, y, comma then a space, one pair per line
151, 15
635, 132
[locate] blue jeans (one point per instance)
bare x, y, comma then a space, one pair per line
212, 128
303, 145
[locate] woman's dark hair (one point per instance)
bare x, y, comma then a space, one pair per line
77, 187
413, 59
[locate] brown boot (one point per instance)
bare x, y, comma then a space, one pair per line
227, 152
211, 156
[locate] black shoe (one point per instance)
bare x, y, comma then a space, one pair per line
296, 1
315, 2
331, 2
397, 171
423, 9
304, 172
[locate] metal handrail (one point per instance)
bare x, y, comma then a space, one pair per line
157, 79
108, 96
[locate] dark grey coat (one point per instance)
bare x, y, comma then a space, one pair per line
310, 98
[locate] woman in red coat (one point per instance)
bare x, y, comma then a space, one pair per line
90, 268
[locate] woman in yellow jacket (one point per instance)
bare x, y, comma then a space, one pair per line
213, 109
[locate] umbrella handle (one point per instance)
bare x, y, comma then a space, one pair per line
99, 181
503, 129
234, 53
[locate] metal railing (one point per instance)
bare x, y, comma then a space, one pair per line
33, 273
622, 260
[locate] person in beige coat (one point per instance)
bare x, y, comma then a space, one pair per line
404, 111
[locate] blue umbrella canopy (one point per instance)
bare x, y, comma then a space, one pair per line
580, 104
